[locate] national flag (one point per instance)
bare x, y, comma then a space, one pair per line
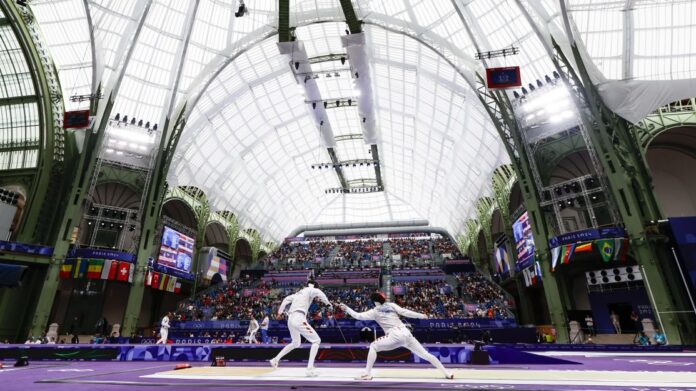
113, 270
106, 269
131, 271
537, 273
621, 246
155, 280
95, 268
583, 248
164, 279
568, 251
171, 284
606, 249
80, 268
177, 287
66, 268
528, 276
555, 255
123, 270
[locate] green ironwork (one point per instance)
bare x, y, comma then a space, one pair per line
500, 111
630, 185
674, 115
354, 23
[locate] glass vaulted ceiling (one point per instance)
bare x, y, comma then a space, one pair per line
250, 139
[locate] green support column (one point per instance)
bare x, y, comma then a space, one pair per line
202, 218
233, 235
630, 184
500, 111
153, 206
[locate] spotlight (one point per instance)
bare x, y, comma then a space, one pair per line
547, 79
133, 121
102, 224
336, 74
241, 10
558, 190
566, 188
356, 75
312, 167
524, 91
594, 197
561, 205
569, 202
326, 104
350, 102
154, 127
516, 94
118, 116
321, 123
539, 83
125, 119
111, 225
328, 75
131, 227
338, 103
343, 61
364, 119
347, 32
89, 223
314, 105
575, 187
297, 65
140, 123
556, 75
147, 124
531, 87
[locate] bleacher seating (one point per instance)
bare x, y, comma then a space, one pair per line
414, 274
343, 277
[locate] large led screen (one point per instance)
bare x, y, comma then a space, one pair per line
524, 240
176, 250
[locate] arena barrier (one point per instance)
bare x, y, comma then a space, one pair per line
447, 353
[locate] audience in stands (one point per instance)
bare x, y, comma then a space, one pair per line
443, 246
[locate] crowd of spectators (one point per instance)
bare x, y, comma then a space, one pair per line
444, 246
478, 288
410, 248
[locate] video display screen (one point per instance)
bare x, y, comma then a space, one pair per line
524, 239
176, 250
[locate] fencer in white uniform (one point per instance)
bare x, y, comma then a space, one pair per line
164, 329
396, 335
253, 328
297, 323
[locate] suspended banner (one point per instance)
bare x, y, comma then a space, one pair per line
587, 235
15, 247
101, 254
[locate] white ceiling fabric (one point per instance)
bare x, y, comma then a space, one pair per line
251, 139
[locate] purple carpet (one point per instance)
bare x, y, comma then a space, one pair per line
127, 376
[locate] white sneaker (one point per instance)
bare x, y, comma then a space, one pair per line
312, 372
364, 376
274, 363
449, 376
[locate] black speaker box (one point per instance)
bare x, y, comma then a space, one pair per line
480, 357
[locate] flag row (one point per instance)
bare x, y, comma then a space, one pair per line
163, 282
532, 275
97, 269
609, 249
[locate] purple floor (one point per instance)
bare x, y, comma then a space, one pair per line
126, 376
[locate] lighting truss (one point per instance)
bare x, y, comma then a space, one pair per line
511, 51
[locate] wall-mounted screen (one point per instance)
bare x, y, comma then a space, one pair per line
524, 240
176, 251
